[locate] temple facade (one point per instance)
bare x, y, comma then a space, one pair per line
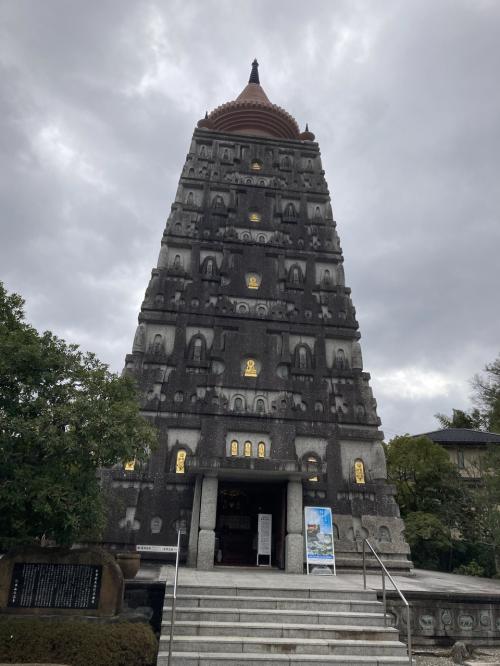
248, 358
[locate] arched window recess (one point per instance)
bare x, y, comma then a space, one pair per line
209, 268
197, 350
290, 213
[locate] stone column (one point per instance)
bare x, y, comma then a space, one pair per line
195, 525
208, 514
294, 522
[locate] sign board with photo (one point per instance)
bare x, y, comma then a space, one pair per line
320, 549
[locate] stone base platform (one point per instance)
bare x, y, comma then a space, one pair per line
445, 607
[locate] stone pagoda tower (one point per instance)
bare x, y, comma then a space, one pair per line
248, 357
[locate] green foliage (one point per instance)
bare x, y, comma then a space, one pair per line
471, 420
63, 415
486, 396
470, 569
76, 643
435, 501
425, 479
428, 538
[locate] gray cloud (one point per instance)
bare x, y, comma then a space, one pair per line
97, 105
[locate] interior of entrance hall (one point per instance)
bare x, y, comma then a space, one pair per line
236, 532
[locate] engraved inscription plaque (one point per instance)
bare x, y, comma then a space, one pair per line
40, 585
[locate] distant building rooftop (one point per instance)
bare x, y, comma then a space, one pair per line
461, 436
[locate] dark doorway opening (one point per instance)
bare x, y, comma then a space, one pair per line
236, 532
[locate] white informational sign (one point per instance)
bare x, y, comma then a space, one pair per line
264, 537
156, 549
319, 536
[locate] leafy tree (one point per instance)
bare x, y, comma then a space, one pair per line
428, 537
471, 420
63, 415
432, 496
425, 479
485, 500
486, 397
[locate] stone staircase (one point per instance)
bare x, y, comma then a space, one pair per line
254, 626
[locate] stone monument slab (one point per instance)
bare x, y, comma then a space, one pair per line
54, 581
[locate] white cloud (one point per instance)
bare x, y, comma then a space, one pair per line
53, 146
412, 383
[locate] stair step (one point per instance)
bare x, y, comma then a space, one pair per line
282, 630
290, 593
278, 602
293, 616
315, 646
253, 659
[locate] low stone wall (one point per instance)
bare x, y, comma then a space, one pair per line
440, 618
144, 594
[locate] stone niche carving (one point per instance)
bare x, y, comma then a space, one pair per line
184, 437
156, 524
140, 339
315, 445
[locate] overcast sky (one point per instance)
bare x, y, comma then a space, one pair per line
98, 101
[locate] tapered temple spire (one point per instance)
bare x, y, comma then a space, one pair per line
252, 113
248, 360
254, 74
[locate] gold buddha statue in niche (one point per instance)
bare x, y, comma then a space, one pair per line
180, 462
248, 449
234, 447
250, 369
261, 450
254, 217
253, 282
359, 471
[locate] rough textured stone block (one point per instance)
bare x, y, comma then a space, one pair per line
294, 553
206, 545
208, 511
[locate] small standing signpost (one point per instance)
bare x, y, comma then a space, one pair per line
151, 548
265, 524
319, 538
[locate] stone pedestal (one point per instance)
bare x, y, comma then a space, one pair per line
208, 515
294, 538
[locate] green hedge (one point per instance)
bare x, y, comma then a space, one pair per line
77, 643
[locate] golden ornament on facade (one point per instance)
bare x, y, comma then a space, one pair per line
234, 447
252, 282
261, 450
250, 369
129, 466
359, 471
254, 217
180, 462
248, 449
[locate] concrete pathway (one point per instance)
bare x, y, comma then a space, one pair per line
419, 580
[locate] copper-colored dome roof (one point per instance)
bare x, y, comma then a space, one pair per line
252, 113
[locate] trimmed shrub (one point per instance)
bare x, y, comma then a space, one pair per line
470, 569
77, 643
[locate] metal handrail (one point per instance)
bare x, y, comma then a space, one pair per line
174, 598
384, 599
